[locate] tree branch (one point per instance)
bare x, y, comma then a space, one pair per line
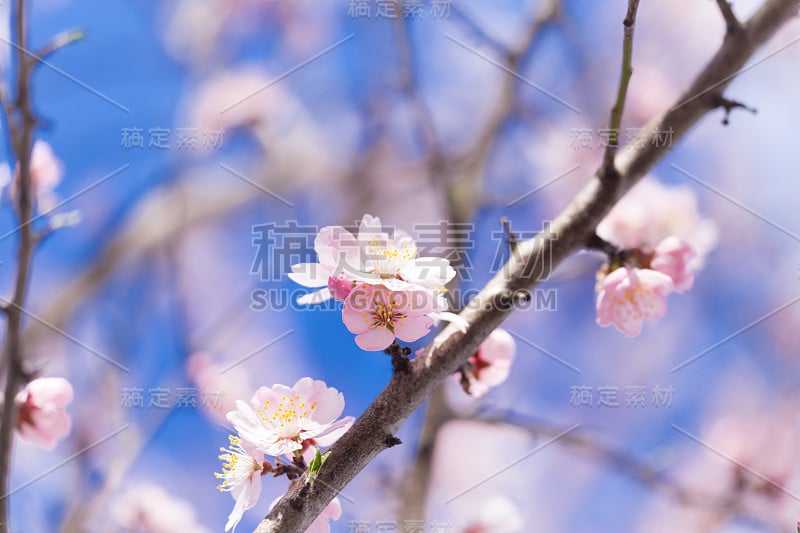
622, 91
729, 105
408, 83
160, 217
21, 139
732, 23
406, 391
619, 460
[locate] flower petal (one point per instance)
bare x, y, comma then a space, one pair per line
246, 498
315, 297
375, 339
310, 274
332, 433
413, 328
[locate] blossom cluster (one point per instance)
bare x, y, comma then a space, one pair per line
662, 242
388, 292
280, 421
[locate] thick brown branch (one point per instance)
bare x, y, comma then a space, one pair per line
568, 232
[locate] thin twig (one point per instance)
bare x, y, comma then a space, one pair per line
58, 42
466, 168
22, 138
409, 86
729, 105
510, 236
732, 23
626, 71
619, 460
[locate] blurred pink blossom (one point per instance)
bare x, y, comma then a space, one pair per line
749, 456
46, 169
629, 295
217, 385
241, 476
491, 364
651, 212
497, 515
148, 508
46, 173
377, 315
673, 257
467, 453
43, 419
280, 418
234, 99
332, 512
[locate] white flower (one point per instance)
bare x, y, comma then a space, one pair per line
373, 256
241, 476
281, 418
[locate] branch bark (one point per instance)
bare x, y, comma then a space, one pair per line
732, 23
626, 71
21, 138
406, 391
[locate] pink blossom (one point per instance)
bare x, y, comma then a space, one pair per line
339, 287
338, 253
149, 508
498, 514
629, 295
42, 416
374, 257
279, 418
377, 315
321, 524
212, 106
392, 260
241, 476
46, 171
673, 257
309, 445
217, 384
332, 512
491, 364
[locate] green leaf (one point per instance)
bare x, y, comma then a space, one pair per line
316, 465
